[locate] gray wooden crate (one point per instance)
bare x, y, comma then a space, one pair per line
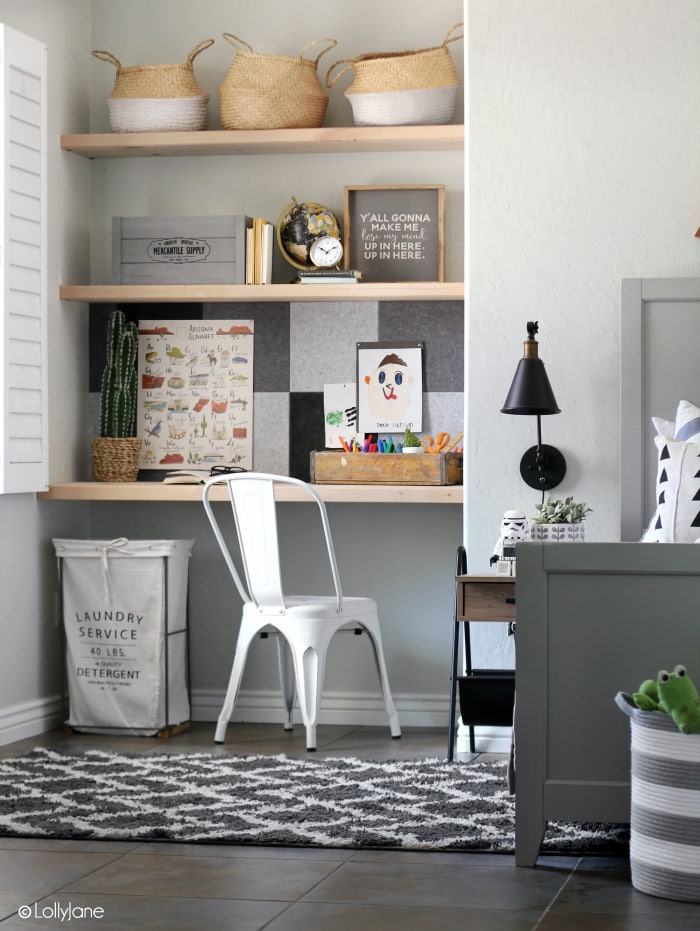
179, 250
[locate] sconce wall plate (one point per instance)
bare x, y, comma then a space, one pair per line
542, 467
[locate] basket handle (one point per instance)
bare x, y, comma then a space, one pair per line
348, 62
625, 703
200, 47
333, 43
241, 46
107, 56
450, 38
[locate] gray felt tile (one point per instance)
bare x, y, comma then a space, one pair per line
323, 341
440, 326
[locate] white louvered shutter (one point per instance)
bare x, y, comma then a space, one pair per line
23, 406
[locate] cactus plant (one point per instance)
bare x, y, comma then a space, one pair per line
410, 440
119, 380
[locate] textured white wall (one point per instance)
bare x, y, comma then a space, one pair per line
584, 153
584, 144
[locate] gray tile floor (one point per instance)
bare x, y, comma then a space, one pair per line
180, 887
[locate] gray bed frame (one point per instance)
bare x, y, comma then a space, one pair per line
597, 618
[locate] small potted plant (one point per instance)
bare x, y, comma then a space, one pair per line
115, 452
411, 443
560, 521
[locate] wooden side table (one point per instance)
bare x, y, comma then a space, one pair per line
480, 598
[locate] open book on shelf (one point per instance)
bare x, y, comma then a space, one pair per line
186, 477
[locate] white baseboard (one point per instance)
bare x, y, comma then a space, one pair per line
30, 719
487, 739
265, 707
347, 708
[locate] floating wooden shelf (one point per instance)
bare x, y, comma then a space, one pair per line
326, 140
157, 491
225, 293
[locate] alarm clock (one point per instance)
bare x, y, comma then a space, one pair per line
326, 252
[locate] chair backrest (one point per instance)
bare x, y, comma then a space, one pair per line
252, 499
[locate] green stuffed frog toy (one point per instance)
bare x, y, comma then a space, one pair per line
674, 693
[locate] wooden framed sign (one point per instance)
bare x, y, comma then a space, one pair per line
395, 233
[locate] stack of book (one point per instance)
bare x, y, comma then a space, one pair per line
258, 253
329, 276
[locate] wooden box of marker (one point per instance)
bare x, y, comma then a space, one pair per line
335, 467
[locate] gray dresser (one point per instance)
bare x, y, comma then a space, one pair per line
592, 619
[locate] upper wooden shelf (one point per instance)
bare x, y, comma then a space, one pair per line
157, 491
267, 141
218, 293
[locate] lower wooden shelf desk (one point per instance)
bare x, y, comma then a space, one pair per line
486, 695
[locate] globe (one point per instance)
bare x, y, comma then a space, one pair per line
298, 226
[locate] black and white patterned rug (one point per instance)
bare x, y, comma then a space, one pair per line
277, 800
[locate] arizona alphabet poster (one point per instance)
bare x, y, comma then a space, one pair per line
195, 397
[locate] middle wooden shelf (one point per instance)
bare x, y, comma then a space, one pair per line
225, 293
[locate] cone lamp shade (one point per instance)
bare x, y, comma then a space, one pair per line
542, 467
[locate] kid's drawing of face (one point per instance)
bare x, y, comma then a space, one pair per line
389, 388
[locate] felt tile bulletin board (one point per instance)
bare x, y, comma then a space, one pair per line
302, 346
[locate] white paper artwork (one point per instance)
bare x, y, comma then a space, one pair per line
195, 399
340, 414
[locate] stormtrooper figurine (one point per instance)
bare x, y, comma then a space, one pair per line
513, 530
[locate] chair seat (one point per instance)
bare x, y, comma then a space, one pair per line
322, 606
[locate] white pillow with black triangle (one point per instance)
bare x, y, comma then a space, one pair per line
677, 515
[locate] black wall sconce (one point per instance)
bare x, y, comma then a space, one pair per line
542, 466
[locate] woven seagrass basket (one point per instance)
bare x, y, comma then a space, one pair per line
402, 88
157, 114
115, 459
157, 98
272, 91
665, 813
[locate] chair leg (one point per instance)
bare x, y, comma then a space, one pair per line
375, 636
247, 632
285, 662
310, 667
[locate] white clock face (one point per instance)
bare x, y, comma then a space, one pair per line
326, 251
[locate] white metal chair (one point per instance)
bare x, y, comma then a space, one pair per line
306, 623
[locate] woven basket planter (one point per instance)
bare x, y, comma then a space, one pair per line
402, 88
115, 459
272, 91
665, 815
157, 98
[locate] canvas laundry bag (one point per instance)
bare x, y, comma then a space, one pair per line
124, 607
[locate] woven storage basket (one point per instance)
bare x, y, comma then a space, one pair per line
272, 91
115, 459
157, 98
402, 88
665, 819
157, 114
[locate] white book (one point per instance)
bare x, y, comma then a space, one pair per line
266, 259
